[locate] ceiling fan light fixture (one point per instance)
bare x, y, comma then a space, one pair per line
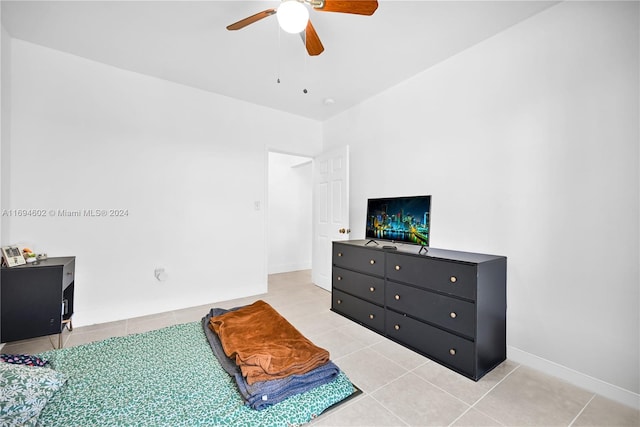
293, 16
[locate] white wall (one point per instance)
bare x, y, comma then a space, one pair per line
186, 165
289, 213
528, 143
5, 118
5, 112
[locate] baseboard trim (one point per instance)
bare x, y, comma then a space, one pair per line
285, 268
610, 391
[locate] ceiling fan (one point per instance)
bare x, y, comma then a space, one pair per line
293, 17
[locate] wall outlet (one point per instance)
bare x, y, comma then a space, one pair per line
160, 274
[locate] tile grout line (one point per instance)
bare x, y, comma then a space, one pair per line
490, 390
473, 405
411, 371
383, 405
582, 410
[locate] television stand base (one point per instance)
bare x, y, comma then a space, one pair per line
371, 241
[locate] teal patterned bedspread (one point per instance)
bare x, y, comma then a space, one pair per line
168, 377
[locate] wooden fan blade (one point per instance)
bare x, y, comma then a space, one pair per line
358, 7
311, 40
251, 19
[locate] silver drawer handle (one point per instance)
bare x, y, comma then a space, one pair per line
397, 327
452, 351
453, 315
339, 301
372, 289
373, 261
397, 297
371, 316
397, 268
453, 279
339, 278
339, 253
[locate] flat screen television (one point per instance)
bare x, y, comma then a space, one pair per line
399, 219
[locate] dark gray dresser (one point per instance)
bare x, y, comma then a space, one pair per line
447, 305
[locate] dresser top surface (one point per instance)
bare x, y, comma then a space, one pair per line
49, 262
435, 253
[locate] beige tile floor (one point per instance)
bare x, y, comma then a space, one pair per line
400, 387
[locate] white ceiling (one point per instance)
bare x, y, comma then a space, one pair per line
187, 42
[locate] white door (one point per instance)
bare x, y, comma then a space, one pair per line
330, 210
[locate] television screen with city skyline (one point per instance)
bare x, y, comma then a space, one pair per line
399, 219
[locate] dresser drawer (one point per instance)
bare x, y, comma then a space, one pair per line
443, 276
368, 261
359, 310
453, 314
361, 285
447, 348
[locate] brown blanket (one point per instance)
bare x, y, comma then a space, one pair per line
264, 344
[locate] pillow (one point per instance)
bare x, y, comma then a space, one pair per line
25, 392
23, 359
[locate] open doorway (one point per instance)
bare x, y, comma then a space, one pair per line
289, 213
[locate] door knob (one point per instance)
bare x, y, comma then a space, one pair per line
344, 231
